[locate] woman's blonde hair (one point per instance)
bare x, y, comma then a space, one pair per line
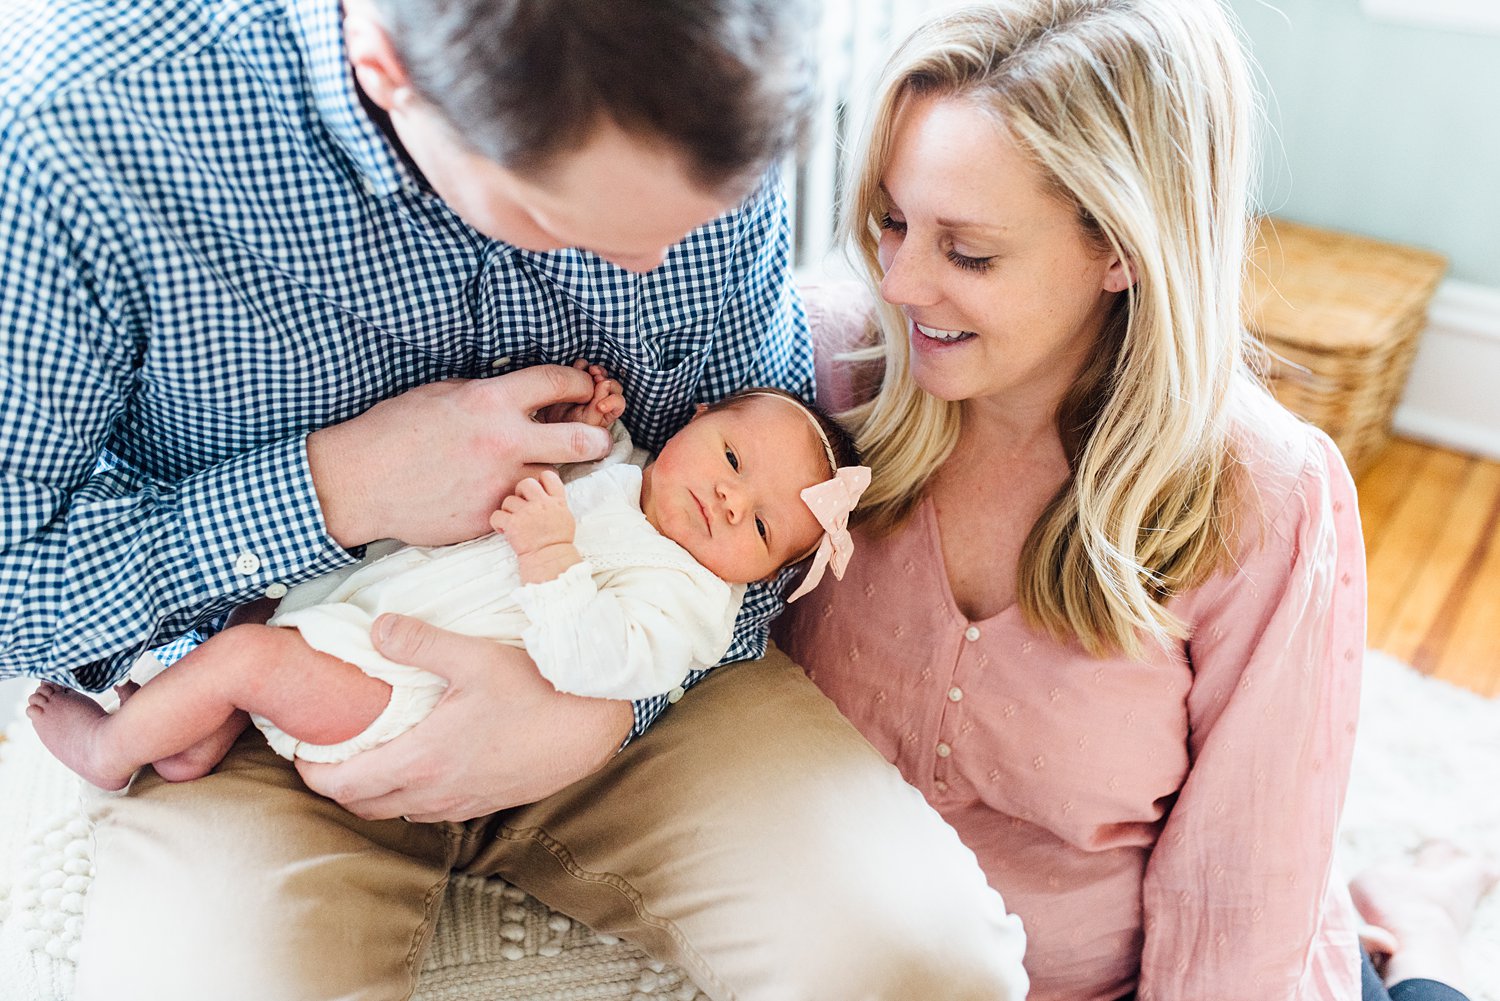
1139, 114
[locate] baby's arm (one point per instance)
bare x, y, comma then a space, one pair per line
630, 633
604, 409
539, 527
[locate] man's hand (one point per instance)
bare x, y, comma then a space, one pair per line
428, 467
501, 735
602, 410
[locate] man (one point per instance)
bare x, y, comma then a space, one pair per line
283, 279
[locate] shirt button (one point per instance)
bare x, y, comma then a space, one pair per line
369, 183
940, 786
955, 694
246, 564
675, 694
971, 634
943, 750
276, 590
500, 362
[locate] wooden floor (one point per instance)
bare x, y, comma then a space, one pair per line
1432, 533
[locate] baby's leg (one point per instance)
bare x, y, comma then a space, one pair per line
200, 759
261, 669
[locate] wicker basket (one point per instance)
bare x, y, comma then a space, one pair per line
1341, 316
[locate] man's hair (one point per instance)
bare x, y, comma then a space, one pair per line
725, 82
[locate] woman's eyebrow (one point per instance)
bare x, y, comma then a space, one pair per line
970, 224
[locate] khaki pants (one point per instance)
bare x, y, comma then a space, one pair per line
751, 837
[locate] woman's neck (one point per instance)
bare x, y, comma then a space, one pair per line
1010, 425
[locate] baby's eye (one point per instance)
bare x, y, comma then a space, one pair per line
734, 461
760, 527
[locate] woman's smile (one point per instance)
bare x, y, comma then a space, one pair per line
941, 336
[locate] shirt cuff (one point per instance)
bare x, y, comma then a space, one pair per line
254, 524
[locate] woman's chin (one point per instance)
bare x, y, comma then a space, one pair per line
936, 382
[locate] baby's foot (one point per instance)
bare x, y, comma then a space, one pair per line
1427, 903
69, 725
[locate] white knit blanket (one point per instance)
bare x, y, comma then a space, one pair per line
1427, 764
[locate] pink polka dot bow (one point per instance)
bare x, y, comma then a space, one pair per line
831, 503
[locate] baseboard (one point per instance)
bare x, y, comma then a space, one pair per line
1453, 396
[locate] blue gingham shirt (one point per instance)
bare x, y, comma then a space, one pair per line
209, 250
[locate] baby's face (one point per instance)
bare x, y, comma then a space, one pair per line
727, 488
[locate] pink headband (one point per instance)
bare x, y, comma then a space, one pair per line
831, 502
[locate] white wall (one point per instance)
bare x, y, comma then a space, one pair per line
1382, 122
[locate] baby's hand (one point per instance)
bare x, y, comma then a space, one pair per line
603, 410
536, 515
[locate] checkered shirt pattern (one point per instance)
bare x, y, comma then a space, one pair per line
210, 251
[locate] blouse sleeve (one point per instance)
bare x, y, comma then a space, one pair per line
637, 636
1240, 897
840, 318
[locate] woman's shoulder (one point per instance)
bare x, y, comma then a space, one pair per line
841, 319
1278, 455
1292, 495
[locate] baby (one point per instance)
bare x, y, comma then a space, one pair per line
617, 582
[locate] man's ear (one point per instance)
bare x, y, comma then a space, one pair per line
380, 72
1120, 276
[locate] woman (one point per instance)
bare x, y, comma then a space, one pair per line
1108, 614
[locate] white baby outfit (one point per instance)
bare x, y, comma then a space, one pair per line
628, 622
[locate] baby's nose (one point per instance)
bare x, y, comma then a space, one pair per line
732, 502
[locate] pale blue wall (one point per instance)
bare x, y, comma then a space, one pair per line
1384, 129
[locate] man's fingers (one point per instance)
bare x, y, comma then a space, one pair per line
411, 641
380, 784
570, 442
543, 385
353, 783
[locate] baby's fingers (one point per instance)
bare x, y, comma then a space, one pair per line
529, 489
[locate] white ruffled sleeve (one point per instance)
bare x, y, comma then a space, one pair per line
636, 636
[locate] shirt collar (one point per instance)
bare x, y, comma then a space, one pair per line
318, 27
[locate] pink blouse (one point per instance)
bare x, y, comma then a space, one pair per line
1164, 825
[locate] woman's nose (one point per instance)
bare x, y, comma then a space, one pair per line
909, 278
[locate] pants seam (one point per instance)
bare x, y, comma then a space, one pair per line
622, 886
420, 935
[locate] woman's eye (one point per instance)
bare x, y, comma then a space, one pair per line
894, 225
734, 460
969, 263
760, 527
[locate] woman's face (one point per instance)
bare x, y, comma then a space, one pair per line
1003, 290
